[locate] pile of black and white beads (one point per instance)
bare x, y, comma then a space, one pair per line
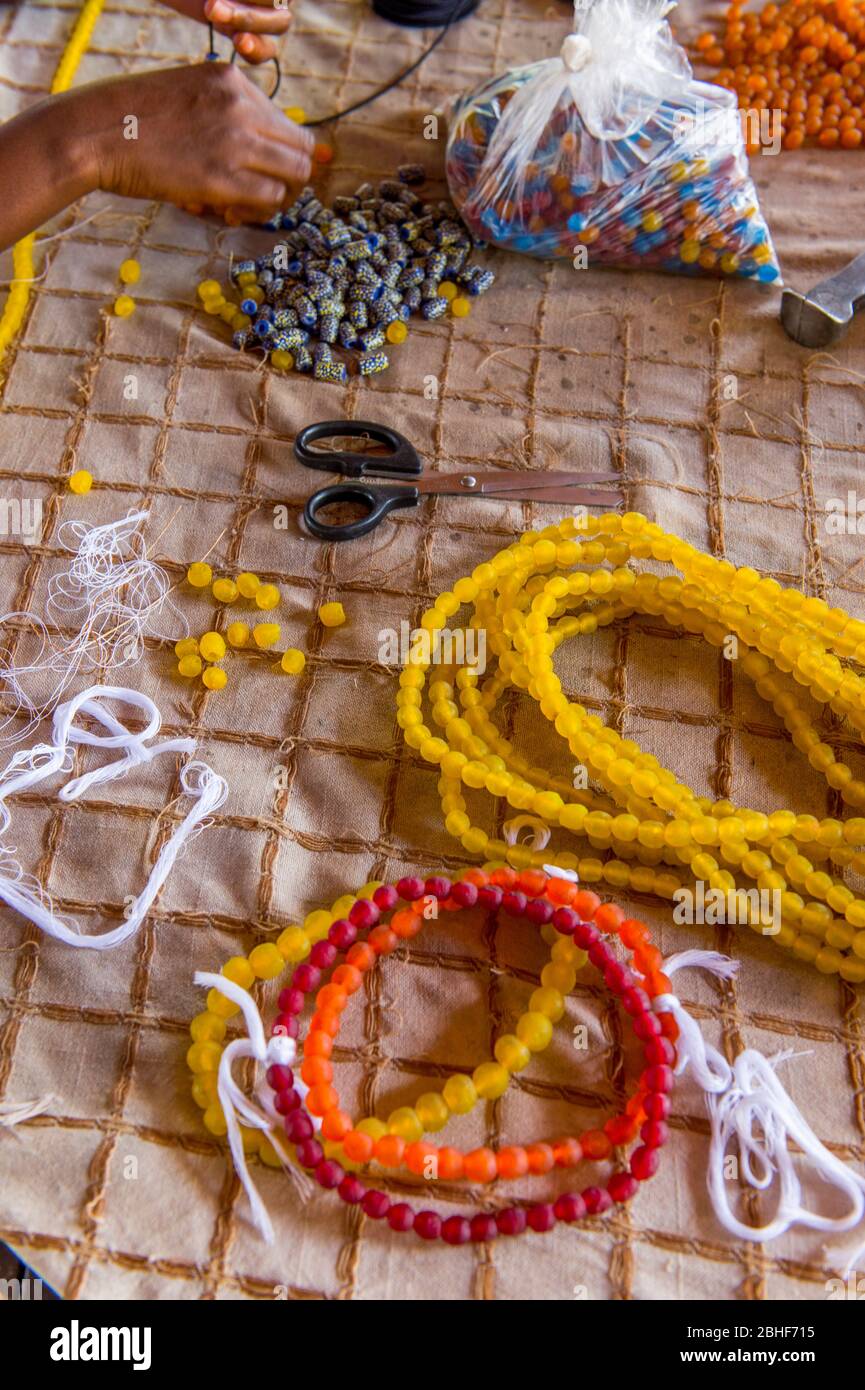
351, 275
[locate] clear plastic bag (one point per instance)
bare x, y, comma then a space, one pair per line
611, 154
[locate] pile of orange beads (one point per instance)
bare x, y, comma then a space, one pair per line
803, 62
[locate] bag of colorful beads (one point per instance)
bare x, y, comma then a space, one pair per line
611, 154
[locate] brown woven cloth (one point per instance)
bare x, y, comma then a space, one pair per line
117, 1190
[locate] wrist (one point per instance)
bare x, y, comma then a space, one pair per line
74, 148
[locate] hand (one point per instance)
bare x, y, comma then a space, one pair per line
245, 22
205, 135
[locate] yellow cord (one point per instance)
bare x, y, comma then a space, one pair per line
22, 254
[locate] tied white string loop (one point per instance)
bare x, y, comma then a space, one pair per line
280, 1050
540, 837
30, 766
748, 1104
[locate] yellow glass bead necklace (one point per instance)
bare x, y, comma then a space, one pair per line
572, 578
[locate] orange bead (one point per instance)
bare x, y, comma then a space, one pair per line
829, 136
633, 933
322, 153
315, 1070
405, 924
586, 904
348, 977
851, 139
451, 1165
561, 890
532, 882
421, 1158
358, 1146
331, 997
595, 1144
504, 877
383, 940
480, 1165
658, 983
541, 1158
567, 1152
647, 958
512, 1162
477, 876
609, 917
320, 1099
389, 1150
324, 1021
318, 1044
336, 1125
361, 956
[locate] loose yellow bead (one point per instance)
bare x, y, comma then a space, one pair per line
124, 305
535, 1030
199, 574
293, 661
248, 584
432, 1111
207, 1027
187, 646
267, 961
396, 332
228, 312
239, 971
448, 290
267, 596
405, 1123
293, 945
208, 288
214, 678
80, 481
491, 1080
238, 634
265, 634
296, 114
224, 590
332, 614
281, 360
212, 646
460, 307
459, 1094
512, 1053
130, 272
215, 306
190, 666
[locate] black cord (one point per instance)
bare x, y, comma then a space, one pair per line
212, 56
411, 14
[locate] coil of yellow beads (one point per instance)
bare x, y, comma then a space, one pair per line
572, 578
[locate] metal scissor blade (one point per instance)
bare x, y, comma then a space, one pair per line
519, 485
565, 496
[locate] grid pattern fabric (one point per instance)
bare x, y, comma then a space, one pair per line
722, 429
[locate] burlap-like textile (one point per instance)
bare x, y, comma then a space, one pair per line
117, 1191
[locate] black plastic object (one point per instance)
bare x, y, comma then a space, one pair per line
377, 500
402, 461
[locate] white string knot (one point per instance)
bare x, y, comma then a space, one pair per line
540, 836
279, 1050
576, 52
28, 767
747, 1104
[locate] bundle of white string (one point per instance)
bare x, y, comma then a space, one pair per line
111, 594
33, 765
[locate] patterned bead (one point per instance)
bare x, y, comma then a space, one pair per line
434, 308
330, 370
372, 363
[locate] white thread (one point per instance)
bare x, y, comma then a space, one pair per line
29, 766
280, 1050
111, 593
553, 871
540, 832
14, 1112
576, 52
747, 1103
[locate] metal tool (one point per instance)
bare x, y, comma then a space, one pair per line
396, 458
821, 317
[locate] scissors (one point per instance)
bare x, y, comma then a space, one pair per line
397, 459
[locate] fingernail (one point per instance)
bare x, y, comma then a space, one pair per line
219, 11
246, 43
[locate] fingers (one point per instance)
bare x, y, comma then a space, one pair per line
278, 160
257, 194
233, 17
254, 48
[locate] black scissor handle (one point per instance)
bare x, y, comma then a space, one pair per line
378, 501
402, 461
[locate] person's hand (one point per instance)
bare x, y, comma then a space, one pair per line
202, 135
248, 23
